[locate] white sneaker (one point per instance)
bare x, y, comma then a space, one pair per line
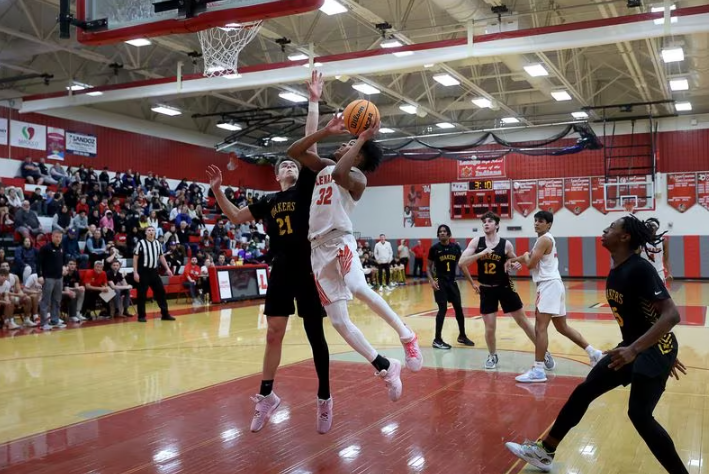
491, 362
392, 378
595, 357
47, 327
413, 357
265, 406
533, 375
60, 324
11, 324
82, 318
549, 362
533, 453
29, 323
324, 421
75, 319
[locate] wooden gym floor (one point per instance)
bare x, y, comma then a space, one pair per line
169, 397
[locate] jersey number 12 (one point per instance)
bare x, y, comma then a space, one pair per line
490, 268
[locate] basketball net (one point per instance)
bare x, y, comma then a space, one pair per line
629, 206
221, 46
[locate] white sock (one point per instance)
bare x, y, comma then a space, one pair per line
538, 365
340, 319
590, 350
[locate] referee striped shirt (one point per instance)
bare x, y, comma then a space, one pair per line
148, 254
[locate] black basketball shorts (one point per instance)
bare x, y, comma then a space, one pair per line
491, 297
290, 284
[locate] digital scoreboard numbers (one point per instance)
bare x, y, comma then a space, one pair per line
472, 199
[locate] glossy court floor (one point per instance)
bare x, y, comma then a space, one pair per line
173, 397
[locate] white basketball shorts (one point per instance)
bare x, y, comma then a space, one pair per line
332, 260
551, 298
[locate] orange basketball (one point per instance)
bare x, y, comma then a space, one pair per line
360, 115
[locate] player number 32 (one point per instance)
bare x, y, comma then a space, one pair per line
325, 197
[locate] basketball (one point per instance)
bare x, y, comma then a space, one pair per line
360, 115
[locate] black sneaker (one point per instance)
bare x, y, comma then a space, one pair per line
142, 320
465, 341
167, 318
439, 344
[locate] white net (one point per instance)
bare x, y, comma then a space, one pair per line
221, 47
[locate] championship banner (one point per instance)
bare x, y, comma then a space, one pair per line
682, 190
524, 195
577, 194
3, 131
703, 189
476, 169
55, 143
28, 135
81, 144
417, 205
551, 195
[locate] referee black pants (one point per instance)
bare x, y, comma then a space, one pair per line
149, 278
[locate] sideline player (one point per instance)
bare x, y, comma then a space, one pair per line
286, 215
645, 358
543, 264
337, 268
441, 270
491, 253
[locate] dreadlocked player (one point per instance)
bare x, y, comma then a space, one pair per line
645, 358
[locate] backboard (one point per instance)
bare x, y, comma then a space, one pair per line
629, 194
131, 19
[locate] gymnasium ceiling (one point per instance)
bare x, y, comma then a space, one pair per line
597, 75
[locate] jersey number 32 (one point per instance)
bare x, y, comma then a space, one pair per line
325, 197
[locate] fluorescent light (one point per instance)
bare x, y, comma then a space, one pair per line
672, 55
94, 93
661, 8
536, 70
315, 64
446, 79
408, 108
166, 110
392, 43
332, 7
683, 106
138, 42
680, 84
560, 95
77, 87
365, 89
429, 65
386, 130
579, 115
297, 57
399, 54
232, 127
445, 125
279, 139
508, 120
292, 97
482, 102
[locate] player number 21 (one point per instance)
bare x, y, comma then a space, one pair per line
284, 226
325, 197
490, 268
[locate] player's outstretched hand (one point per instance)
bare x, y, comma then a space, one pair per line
372, 131
677, 368
315, 85
620, 357
215, 176
336, 126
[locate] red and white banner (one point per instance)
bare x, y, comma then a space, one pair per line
703, 189
598, 200
682, 190
577, 194
551, 195
417, 205
525, 197
476, 169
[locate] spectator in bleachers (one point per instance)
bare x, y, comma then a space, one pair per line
112, 255
104, 179
37, 202
96, 282
14, 199
54, 204
171, 234
44, 172
154, 221
206, 242
91, 177
183, 234
62, 220
190, 280
26, 221
96, 246
107, 221
83, 205
59, 175
134, 236
128, 182
143, 223
71, 196
74, 291
219, 234
19, 299
72, 251
95, 200
80, 222
183, 216
4, 207
174, 257
182, 185
94, 218
245, 231
30, 172
120, 303
221, 260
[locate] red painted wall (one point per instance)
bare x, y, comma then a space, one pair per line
120, 150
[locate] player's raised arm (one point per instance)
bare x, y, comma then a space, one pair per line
354, 182
469, 256
315, 86
233, 213
300, 150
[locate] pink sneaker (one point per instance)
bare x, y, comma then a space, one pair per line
413, 357
324, 422
265, 406
392, 378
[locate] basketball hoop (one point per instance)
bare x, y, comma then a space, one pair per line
629, 205
221, 46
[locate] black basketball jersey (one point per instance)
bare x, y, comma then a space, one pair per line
286, 215
631, 289
445, 259
491, 268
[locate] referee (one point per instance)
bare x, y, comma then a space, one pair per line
146, 257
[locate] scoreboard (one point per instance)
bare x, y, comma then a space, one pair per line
472, 199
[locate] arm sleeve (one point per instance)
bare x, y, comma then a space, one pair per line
648, 283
